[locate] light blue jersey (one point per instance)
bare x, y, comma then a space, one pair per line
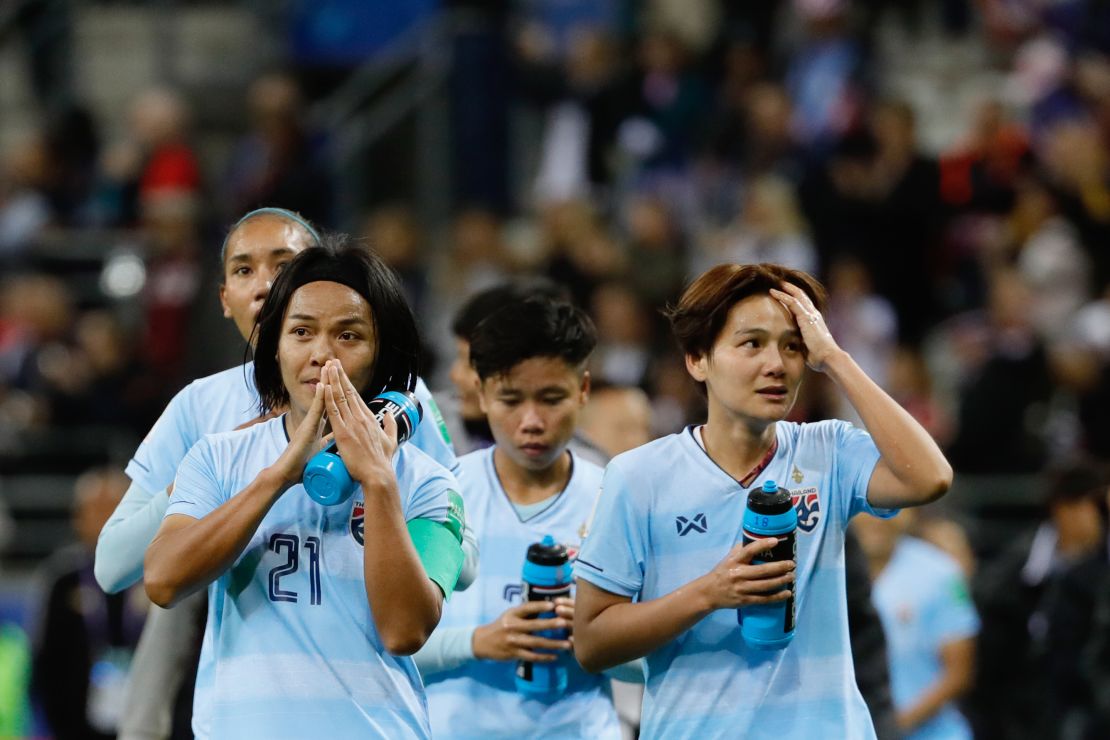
923, 601
217, 403
220, 403
668, 515
290, 649
479, 699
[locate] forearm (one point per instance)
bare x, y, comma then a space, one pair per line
447, 649
183, 559
405, 604
124, 538
948, 688
910, 454
627, 631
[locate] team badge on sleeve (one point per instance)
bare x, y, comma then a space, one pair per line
808, 505
358, 516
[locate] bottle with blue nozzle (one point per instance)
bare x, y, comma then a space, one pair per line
546, 577
770, 513
326, 480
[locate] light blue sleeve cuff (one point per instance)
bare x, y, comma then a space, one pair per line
470, 559
124, 539
447, 649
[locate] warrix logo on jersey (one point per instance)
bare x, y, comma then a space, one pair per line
358, 516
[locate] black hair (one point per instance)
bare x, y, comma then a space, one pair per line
1075, 479
533, 327
339, 259
482, 304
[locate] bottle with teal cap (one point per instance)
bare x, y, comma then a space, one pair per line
325, 478
770, 513
546, 577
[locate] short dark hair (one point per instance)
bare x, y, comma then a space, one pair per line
700, 314
533, 327
1077, 478
339, 259
482, 304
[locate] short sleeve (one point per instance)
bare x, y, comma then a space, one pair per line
856, 457
614, 553
197, 490
424, 486
952, 615
431, 434
154, 464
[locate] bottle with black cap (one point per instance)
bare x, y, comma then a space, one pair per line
770, 513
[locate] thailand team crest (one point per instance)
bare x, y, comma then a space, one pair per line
358, 516
808, 505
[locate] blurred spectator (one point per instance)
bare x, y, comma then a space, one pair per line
580, 253
822, 76
1077, 160
616, 418
1081, 360
655, 249
85, 638
280, 162
1005, 387
908, 226
586, 95
99, 379
1063, 625
930, 624
155, 161
170, 221
47, 30
394, 234
36, 313
769, 228
1012, 694
981, 172
660, 134
624, 333
1050, 258
476, 258
863, 323
24, 207
910, 384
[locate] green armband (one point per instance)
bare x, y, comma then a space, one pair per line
439, 545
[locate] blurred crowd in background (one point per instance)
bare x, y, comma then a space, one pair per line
620, 148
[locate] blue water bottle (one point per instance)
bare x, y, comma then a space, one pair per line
326, 480
546, 577
770, 513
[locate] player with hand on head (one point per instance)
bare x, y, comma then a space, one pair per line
530, 359
650, 586
332, 598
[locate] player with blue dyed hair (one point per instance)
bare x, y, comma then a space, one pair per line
664, 570
314, 609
